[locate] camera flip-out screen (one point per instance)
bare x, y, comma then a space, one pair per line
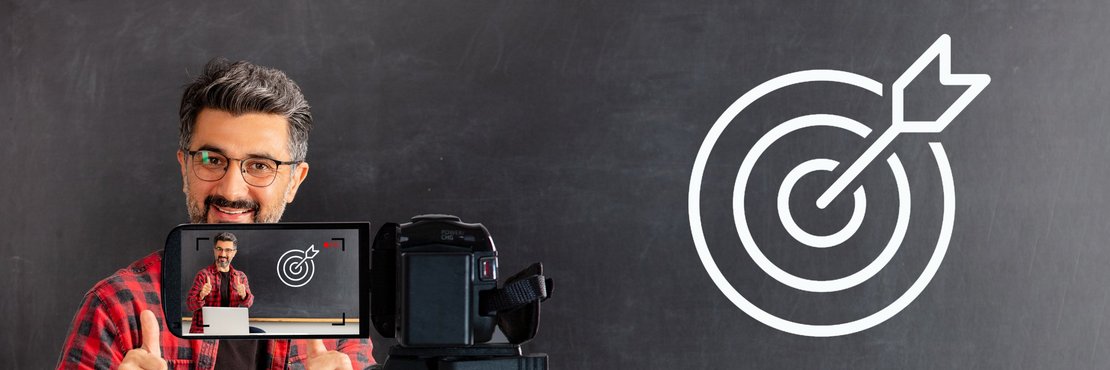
285, 280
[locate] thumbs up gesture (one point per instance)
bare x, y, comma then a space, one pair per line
241, 287
206, 288
319, 357
149, 356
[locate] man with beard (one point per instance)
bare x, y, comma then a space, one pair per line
243, 141
219, 285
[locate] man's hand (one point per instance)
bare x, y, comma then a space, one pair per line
241, 287
206, 288
149, 356
320, 358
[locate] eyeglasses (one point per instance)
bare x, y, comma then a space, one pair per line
221, 249
257, 171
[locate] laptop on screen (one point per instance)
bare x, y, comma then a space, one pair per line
226, 320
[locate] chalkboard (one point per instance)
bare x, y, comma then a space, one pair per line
325, 286
571, 130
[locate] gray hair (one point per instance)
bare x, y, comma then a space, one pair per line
226, 237
242, 87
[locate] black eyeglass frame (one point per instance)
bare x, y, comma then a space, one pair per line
242, 170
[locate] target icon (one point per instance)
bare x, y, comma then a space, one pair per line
940, 50
295, 268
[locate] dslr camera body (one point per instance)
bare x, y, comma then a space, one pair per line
434, 287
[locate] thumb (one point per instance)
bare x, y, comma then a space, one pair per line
316, 347
151, 334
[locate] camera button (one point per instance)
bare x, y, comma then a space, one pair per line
487, 268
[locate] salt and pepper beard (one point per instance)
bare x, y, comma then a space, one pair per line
198, 211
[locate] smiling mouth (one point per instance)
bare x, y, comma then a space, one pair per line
220, 209
231, 211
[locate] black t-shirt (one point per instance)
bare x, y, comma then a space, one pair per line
241, 354
225, 289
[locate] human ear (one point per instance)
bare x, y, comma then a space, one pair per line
184, 178
300, 172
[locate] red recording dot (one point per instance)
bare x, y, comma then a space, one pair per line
327, 245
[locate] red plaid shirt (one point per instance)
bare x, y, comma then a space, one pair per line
107, 326
211, 274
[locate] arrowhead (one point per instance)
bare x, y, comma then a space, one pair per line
942, 51
310, 252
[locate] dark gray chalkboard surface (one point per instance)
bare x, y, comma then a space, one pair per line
570, 129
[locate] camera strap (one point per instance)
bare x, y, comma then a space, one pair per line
517, 303
515, 294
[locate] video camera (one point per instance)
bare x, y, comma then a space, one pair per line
434, 288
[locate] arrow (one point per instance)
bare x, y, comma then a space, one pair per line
941, 50
308, 254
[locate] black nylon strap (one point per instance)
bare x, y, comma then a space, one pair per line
515, 294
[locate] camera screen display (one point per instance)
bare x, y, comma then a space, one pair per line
273, 280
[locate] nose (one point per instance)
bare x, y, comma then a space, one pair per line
233, 185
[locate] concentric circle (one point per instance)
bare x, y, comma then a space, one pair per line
294, 270
818, 241
702, 247
740, 189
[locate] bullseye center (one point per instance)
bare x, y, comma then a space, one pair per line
818, 241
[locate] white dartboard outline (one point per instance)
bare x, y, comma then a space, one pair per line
812, 330
306, 263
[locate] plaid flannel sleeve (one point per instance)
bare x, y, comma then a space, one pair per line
361, 352
194, 302
106, 324
94, 340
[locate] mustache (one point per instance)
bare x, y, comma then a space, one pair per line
219, 201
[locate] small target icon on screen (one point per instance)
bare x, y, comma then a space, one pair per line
295, 268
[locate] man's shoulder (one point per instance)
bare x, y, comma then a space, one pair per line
142, 276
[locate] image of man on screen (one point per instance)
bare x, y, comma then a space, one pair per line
218, 284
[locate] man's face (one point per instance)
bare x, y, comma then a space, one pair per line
225, 252
230, 199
